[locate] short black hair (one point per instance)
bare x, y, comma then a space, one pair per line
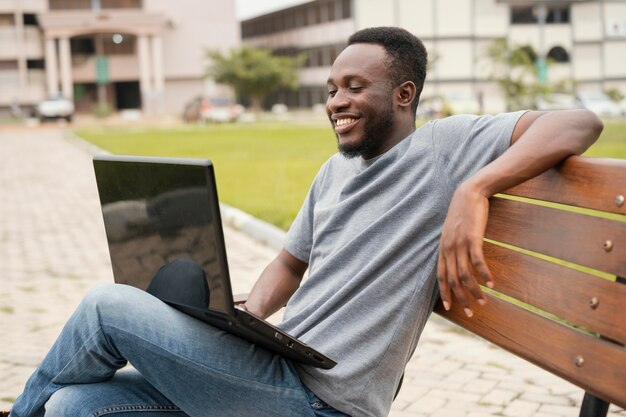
408, 54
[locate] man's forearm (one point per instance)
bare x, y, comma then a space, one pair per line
277, 283
547, 140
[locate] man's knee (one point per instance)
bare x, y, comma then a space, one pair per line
105, 294
64, 403
111, 299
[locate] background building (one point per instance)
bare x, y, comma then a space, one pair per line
129, 54
586, 39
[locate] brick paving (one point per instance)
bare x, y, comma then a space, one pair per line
53, 249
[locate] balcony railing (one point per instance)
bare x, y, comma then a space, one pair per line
94, 4
31, 45
12, 90
26, 6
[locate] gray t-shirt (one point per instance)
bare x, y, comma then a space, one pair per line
369, 231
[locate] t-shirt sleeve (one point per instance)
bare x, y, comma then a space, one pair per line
463, 144
299, 239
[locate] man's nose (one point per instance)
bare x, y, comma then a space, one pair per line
337, 102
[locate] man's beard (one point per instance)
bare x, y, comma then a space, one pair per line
373, 133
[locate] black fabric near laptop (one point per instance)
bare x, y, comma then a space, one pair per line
163, 224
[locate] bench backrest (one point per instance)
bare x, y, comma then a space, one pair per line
559, 299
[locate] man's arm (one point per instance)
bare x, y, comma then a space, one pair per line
277, 283
539, 141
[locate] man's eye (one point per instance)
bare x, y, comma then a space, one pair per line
356, 89
332, 93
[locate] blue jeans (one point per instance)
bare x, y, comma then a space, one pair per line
182, 367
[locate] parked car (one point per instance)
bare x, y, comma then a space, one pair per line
622, 106
429, 107
558, 101
461, 103
599, 103
55, 107
212, 109
447, 104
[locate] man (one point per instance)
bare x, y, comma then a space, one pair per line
396, 212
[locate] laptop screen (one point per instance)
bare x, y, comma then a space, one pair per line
157, 210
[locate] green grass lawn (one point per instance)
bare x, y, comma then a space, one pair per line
612, 142
265, 169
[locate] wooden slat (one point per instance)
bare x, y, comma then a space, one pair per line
583, 182
561, 234
560, 290
550, 345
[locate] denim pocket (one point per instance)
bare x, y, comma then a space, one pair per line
320, 408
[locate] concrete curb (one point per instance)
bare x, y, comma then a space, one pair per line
262, 232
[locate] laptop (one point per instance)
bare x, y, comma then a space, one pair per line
157, 210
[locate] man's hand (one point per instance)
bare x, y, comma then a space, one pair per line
461, 258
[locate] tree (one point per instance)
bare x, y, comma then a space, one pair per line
513, 68
254, 72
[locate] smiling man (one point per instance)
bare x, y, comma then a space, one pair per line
363, 115
395, 216
395, 212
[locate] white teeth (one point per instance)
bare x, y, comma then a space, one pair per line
341, 122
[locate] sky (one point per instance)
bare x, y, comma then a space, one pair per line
245, 9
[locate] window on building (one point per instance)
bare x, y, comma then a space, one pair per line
307, 59
522, 15
35, 64
256, 28
346, 9
528, 14
30, 19
290, 21
319, 95
310, 15
558, 15
8, 65
330, 11
320, 58
70, 4
313, 58
121, 4
82, 46
558, 54
94, 4
266, 26
7, 20
300, 17
297, 17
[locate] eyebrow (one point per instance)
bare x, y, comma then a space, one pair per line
347, 78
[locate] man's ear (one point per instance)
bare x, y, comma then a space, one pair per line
406, 93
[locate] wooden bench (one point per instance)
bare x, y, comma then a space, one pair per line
560, 299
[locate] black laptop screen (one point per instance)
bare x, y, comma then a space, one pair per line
157, 212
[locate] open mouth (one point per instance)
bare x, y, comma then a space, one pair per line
344, 124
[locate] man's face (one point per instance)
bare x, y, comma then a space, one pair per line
360, 101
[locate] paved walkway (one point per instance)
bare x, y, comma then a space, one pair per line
53, 249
